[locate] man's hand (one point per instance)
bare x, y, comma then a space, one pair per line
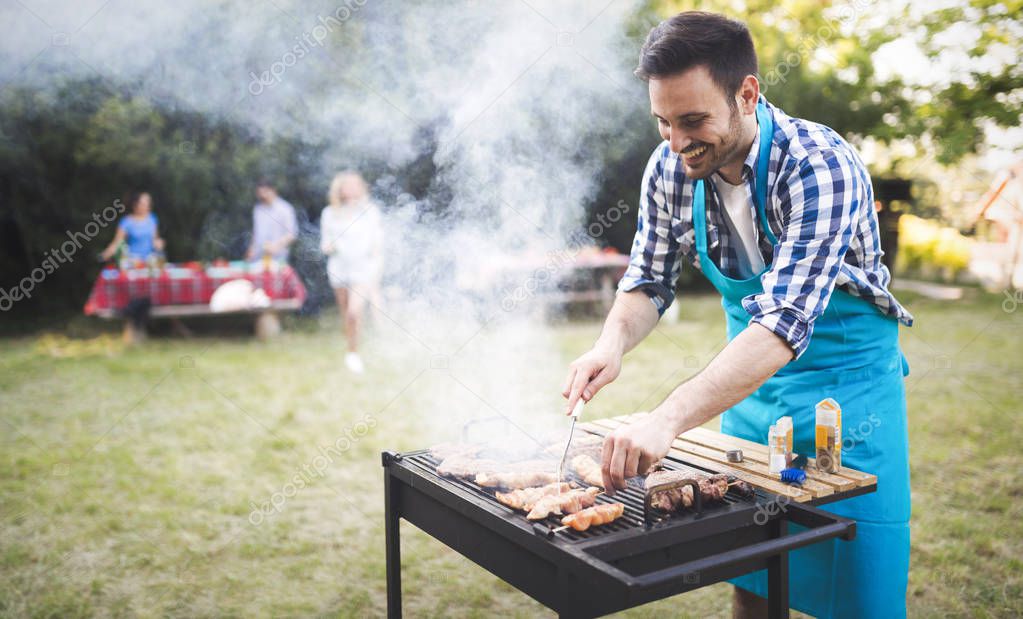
631, 450
589, 373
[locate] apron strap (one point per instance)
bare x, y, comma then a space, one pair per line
766, 124
700, 218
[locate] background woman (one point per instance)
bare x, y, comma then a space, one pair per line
138, 229
351, 238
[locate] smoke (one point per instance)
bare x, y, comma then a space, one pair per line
519, 101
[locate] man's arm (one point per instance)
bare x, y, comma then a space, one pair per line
646, 289
250, 251
291, 229
632, 318
736, 372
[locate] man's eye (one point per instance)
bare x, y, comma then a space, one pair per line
662, 122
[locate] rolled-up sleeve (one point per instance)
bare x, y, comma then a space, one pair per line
654, 260
824, 196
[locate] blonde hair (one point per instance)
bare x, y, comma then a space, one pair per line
333, 194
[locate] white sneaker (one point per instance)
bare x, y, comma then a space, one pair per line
354, 363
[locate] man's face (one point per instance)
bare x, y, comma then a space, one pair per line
694, 116
264, 194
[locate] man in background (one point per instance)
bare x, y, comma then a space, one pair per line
274, 227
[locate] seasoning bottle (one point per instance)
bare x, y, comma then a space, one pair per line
785, 427
775, 449
828, 436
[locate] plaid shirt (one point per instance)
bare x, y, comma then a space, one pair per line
820, 206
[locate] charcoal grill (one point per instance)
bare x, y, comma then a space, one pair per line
609, 568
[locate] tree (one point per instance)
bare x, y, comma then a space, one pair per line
817, 61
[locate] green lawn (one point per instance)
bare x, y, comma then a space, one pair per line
127, 481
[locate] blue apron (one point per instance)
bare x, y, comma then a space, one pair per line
854, 357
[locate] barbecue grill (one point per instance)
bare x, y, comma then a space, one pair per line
636, 559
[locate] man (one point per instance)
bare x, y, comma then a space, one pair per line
777, 212
274, 227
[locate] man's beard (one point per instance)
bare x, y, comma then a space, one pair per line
723, 153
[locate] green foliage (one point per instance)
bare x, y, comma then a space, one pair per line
68, 154
817, 62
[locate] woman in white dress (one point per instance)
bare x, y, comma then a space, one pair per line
351, 236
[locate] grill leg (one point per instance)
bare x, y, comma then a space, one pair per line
392, 531
778, 577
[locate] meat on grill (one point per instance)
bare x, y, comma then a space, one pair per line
588, 470
594, 516
466, 467
524, 498
563, 503
526, 474
712, 488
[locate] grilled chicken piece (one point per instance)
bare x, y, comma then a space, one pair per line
744, 489
594, 516
712, 488
526, 474
516, 479
466, 467
563, 503
524, 498
588, 470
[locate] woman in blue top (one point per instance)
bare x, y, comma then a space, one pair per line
138, 229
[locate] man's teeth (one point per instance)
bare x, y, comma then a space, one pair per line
694, 153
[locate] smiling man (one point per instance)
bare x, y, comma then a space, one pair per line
777, 213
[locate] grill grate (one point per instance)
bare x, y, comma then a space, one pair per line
632, 498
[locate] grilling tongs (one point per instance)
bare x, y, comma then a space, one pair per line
576, 411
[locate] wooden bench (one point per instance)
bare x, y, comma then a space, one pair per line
267, 322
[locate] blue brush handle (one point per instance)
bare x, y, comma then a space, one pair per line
793, 476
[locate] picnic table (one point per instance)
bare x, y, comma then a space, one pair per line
176, 291
557, 278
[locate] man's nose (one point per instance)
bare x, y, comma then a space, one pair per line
678, 141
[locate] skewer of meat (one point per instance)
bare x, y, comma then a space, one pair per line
588, 470
525, 498
464, 466
713, 488
563, 503
526, 474
592, 516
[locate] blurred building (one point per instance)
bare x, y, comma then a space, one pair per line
997, 257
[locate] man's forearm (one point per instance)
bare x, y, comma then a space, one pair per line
736, 372
632, 318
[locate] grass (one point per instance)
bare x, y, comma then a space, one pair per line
128, 481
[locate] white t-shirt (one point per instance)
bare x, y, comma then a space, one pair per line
351, 236
740, 217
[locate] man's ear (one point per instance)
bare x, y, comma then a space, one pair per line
748, 94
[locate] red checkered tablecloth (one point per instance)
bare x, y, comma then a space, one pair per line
176, 285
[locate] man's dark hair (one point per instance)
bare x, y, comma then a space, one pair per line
695, 38
266, 182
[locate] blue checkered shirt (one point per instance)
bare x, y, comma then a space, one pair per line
820, 207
